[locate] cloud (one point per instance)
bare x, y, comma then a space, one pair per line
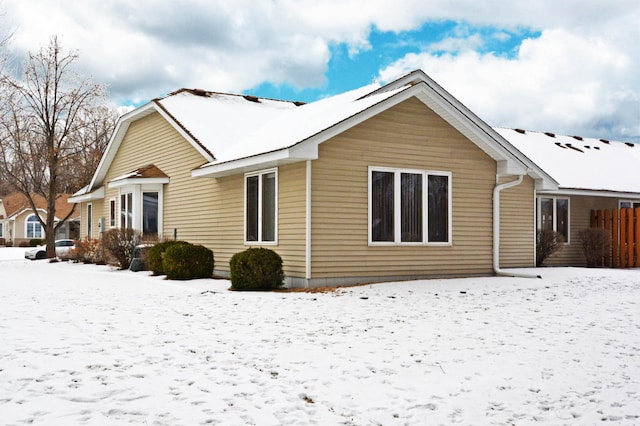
578, 72
560, 82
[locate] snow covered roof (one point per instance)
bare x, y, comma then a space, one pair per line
578, 163
219, 120
236, 133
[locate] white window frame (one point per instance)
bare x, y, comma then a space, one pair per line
397, 226
113, 208
632, 202
26, 228
554, 220
90, 220
136, 204
1, 229
260, 173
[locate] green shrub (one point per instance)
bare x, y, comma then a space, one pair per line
155, 254
119, 244
256, 269
187, 262
35, 242
548, 242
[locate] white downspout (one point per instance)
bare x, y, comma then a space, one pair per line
308, 225
496, 229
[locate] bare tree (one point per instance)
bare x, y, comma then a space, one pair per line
45, 118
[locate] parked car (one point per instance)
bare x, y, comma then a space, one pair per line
40, 252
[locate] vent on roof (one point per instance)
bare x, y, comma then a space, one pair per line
587, 146
560, 145
604, 141
579, 138
520, 131
252, 98
574, 148
596, 147
629, 144
551, 135
199, 92
299, 103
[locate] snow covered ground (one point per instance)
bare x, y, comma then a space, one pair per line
89, 345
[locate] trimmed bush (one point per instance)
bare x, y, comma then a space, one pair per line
35, 242
548, 242
155, 254
187, 262
596, 245
119, 244
256, 269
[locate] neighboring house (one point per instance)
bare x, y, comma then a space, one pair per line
592, 174
376, 184
18, 222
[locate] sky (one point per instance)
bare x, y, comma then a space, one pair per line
569, 67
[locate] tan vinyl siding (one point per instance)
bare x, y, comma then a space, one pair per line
408, 135
517, 225
97, 209
203, 210
579, 218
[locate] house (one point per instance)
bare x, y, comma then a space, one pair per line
592, 174
19, 224
381, 183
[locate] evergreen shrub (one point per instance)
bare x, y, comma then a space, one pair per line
187, 262
155, 254
256, 269
35, 242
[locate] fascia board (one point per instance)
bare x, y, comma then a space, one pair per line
98, 194
137, 181
591, 193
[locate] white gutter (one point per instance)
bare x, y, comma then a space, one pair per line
496, 230
308, 224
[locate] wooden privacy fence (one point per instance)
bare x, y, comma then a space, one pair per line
624, 227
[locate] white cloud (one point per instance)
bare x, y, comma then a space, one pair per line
559, 82
580, 72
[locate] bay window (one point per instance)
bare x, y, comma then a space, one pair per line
409, 206
261, 209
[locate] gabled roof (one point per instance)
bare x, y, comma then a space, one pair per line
582, 164
237, 133
16, 203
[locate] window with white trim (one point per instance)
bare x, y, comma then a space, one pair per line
112, 212
90, 220
628, 204
126, 210
33, 227
409, 207
553, 214
1, 229
261, 207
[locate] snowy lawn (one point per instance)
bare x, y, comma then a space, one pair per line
89, 345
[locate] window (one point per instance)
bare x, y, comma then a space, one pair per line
126, 210
90, 220
409, 206
628, 204
553, 214
112, 213
1, 230
150, 213
261, 207
34, 228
